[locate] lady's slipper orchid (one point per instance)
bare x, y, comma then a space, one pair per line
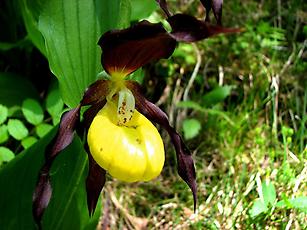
121, 140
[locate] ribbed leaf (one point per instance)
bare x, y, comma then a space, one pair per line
113, 14
71, 32
30, 10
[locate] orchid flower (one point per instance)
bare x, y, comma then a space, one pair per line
121, 140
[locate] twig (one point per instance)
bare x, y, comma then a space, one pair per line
175, 99
279, 13
164, 95
221, 75
194, 74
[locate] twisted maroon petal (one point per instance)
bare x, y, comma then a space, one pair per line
96, 177
163, 6
216, 5
64, 137
94, 183
185, 162
187, 28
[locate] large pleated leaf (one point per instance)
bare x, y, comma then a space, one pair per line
67, 208
71, 32
67, 31
113, 14
30, 10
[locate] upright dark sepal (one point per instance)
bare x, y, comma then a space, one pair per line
187, 28
185, 162
124, 51
163, 6
217, 6
64, 137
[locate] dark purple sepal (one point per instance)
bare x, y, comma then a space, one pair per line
185, 162
96, 177
41, 195
216, 6
124, 51
163, 6
90, 114
95, 181
187, 28
64, 137
95, 92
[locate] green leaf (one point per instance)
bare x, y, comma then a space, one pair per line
191, 128
14, 89
6, 155
32, 111
113, 14
3, 113
269, 193
30, 10
298, 203
190, 105
142, 9
197, 107
43, 129
54, 104
4, 135
71, 32
17, 129
185, 52
28, 142
138, 76
67, 208
258, 208
5, 46
217, 95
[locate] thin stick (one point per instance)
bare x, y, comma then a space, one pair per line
194, 74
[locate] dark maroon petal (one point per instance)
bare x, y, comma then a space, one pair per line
96, 175
208, 6
41, 195
95, 181
64, 137
217, 6
95, 92
184, 159
124, 51
163, 6
188, 29
90, 114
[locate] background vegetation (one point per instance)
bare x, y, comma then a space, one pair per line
239, 100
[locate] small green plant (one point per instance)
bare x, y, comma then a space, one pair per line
267, 203
24, 125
